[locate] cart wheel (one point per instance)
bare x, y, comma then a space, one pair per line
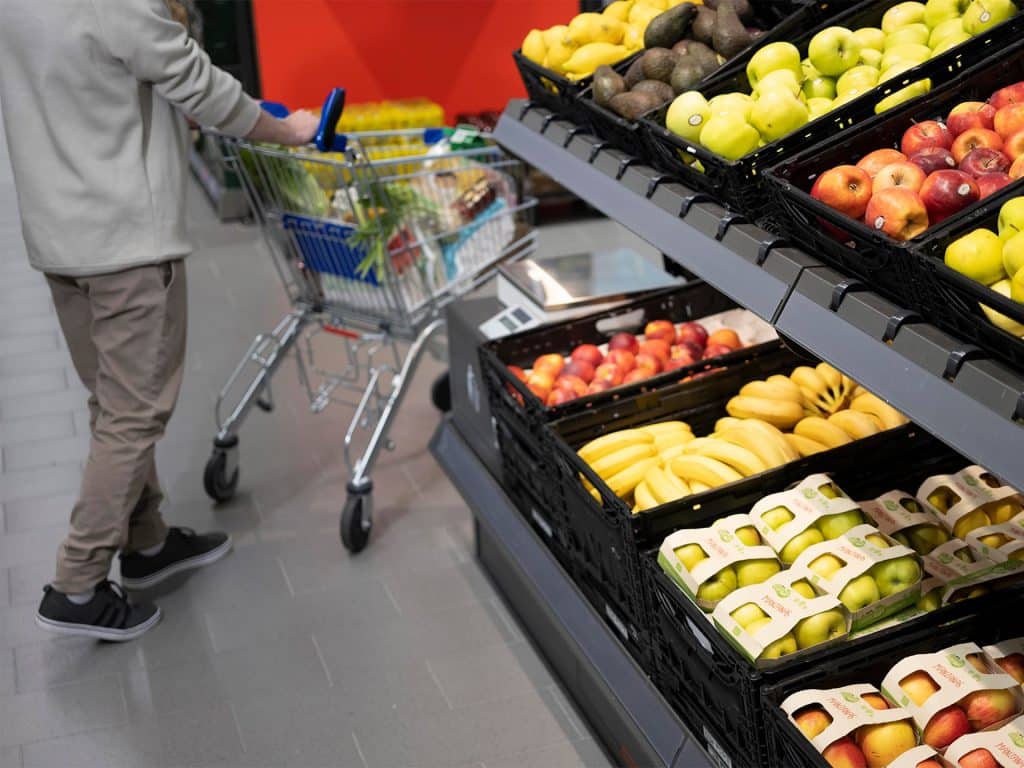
217, 484
441, 393
356, 522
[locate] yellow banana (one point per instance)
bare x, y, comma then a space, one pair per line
698, 487
773, 390
610, 443
874, 405
739, 458
804, 445
780, 413
775, 435
644, 498
817, 428
666, 428
613, 463
854, 423
765, 448
814, 387
726, 422
670, 453
628, 479
833, 378
665, 486
858, 390
710, 472
671, 440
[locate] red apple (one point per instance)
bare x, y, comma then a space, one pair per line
970, 114
979, 758
1011, 94
968, 141
875, 161
689, 349
929, 133
552, 363
622, 359
1009, 120
990, 183
588, 353
678, 363
946, 726
1013, 665
930, 763
574, 384
844, 754
658, 348
875, 700
660, 329
726, 337
580, 368
1017, 169
986, 708
649, 363
812, 720
559, 396
932, 159
899, 213
541, 384
681, 354
599, 385
637, 374
717, 350
845, 188
610, 373
902, 174
947, 192
694, 332
518, 372
626, 341
985, 160
1014, 145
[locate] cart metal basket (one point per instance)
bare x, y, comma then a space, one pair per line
370, 245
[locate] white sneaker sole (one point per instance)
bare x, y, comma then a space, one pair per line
98, 633
181, 566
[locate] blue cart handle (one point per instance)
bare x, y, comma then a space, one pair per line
326, 139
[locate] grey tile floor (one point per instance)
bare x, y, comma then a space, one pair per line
289, 652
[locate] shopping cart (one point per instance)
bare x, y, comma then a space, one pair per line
369, 251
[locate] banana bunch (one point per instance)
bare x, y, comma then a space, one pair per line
622, 459
785, 400
866, 415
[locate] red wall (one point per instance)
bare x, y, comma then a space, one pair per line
456, 52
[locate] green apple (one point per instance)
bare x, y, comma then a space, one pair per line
902, 15
931, 601
799, 543
878, 541
1011, 218
772, 58
818, 108
777, 517
945, 29
951, 40
718, 586
749, 536
834, 50
803, 588
925, 538
821, 628
808, 72
747, 614
982, 15
912, 34
938, 11
730, 136
778, 114
820, 87
870, 37
687, 114
912, 91
894, 576
902, 538
870, 57
691, 554
860, 79
834, 526
784, 646
781, 80
859, 593
1013, 254
908, 53
826, 566
731, 104
756, 571
977, 255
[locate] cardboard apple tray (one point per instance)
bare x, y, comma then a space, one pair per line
974, 489
958, 578
848, 711
954, 675
899, 515
860, 556
1005, 746
723, 549
1013, 548
1008, 652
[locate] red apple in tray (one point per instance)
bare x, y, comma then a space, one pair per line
579, 368
660, 329
930, 133
990, 183
899, 213
1009, 120
845, 188
694, 332
970, 114
626, 341
968, 141
1011, 94
902, 174
588, 353
875, 161
931, 159
947, 192
984, 160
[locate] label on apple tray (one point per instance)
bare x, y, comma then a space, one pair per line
1005, 745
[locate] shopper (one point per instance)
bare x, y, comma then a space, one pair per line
95, 95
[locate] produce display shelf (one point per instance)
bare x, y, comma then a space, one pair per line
950, 388
635, 723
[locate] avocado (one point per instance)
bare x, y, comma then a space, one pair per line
607, 84
742, 7
708, 58
668, 28
686, 75
703, 27
632, 105
635, 73
658, 64
729, 36
661, 91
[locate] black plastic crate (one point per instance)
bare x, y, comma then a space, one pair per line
891, 266
740, 183
781, 21
989, 624
553, 91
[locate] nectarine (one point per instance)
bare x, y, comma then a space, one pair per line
726, 337
622, 359
552, 364
588, 353
692, 332
625, 341
658, 348
660, 329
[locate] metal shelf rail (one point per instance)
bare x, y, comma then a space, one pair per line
950, 388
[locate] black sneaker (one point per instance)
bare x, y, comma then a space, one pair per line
108, 616
183, 550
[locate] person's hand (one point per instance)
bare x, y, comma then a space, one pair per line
302, 126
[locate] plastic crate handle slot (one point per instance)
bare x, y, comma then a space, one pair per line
326, 139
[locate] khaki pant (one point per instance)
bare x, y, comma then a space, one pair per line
126, 334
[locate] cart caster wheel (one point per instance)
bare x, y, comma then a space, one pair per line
356, 522
441, 393
216, 482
